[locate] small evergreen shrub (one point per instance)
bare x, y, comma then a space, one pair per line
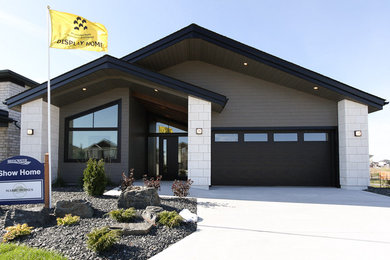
181, 188
127, 181
16, 231
68, 220
94, 178
170, 218
122, 215
102, 239
152, 183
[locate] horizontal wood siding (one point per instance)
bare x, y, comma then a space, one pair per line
254, 102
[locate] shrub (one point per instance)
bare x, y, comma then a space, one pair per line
153, 183
94, 177
122, 215
68, 220
102, 239
170, 218
127, 181
16, 231
22, 252
181, 188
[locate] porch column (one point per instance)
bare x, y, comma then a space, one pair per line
199, 144
353, 149
34, 116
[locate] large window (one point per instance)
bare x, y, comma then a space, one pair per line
94, 134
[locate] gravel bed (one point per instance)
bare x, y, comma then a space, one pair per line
71, 240
382, 191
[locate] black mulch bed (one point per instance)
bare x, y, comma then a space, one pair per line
71, 240
382, 191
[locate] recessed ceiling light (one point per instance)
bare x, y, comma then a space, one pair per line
315, 88
155, 90
84, 89
245, 64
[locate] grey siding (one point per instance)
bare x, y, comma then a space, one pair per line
254, 102
138, 138
71, 172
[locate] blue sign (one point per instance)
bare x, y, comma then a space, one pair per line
21, 181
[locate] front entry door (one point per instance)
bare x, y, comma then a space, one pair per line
168, 157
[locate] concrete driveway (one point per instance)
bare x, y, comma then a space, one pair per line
286, 223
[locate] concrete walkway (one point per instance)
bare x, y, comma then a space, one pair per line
286, 223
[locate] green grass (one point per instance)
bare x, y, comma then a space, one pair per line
22, 252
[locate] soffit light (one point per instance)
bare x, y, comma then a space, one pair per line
84, 89
155, 90
245, 63
315, 88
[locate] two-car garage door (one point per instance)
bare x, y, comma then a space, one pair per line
274, 157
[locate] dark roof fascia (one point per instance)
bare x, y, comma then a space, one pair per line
9, 75
109, 62
195, 31
4, 117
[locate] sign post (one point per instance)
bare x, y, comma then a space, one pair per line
22, 181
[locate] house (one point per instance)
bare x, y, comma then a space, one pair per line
201, 104
11, 84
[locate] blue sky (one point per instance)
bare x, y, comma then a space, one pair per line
345, 40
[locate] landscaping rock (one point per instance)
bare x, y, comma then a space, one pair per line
81, 208
133, 228
35, 216
150, 213
138, 197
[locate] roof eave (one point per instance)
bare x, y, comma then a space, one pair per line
109, 62
195, 31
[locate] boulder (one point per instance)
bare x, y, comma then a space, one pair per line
35, 216
150, 213
81, 208
133, 228
138, 197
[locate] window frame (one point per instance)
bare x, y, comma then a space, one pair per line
97, 129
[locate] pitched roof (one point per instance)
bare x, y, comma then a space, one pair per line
109, 62
194, 31
9, 75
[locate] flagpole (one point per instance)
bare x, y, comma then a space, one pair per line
48, 103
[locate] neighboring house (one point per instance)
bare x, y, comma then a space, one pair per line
11, 84
245, 116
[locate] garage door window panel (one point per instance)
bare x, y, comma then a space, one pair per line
285, 137
256, 137
315, 137
226, 138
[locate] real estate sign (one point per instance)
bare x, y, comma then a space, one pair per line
21, 181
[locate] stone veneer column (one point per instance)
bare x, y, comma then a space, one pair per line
353, 151
34, 116
199, 145
10, 135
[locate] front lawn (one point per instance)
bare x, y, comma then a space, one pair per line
22, 252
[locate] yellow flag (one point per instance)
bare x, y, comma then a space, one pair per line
69, 31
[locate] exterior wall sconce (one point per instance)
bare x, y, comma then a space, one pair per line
30, 131
358, 133
199, 131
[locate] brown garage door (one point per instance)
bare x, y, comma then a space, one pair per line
274, 158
